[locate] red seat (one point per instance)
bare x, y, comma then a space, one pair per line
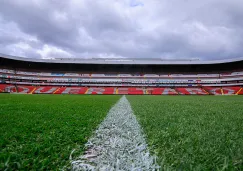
191, 91
182, 91
110, 90
71, 90
25, 89
213, 90
59, 91
240, 92
101, 90
160, 91
122, 90
45, 90
135, 91
230, 90
7, 88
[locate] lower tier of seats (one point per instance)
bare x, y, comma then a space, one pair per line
6, 88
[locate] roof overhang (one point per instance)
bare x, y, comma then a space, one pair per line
122, 61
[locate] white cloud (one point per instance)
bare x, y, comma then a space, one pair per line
209, 29
52, 52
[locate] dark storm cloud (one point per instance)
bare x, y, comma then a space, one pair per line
210, 29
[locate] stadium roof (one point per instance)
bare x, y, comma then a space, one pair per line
100, 65
132, 61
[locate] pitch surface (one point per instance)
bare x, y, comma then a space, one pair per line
38, 132
193, 132
185, 132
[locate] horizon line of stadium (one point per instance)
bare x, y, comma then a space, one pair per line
18, 75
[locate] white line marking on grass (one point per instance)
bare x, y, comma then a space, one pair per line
118, 144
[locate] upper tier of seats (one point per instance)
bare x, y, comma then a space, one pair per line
91, 75
153, 80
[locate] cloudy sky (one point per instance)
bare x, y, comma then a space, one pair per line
204, 29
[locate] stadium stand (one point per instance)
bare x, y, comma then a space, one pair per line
240, 92
44, 90
121, 90
230, 90
191, 91
18, 75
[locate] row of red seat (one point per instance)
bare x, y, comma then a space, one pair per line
121, 90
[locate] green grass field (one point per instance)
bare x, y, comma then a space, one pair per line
38, 132
193, 132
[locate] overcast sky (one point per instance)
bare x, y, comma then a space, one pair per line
204, 29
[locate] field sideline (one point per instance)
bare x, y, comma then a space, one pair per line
185, 132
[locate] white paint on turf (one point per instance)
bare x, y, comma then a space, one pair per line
118, 144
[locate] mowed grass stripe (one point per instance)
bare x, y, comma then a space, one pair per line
193, 132
39, 131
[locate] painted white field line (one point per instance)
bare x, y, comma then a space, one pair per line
118, 144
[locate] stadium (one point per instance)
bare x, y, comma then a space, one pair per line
117, 114
121, 76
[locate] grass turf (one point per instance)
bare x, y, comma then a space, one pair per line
193, 132
38, 132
